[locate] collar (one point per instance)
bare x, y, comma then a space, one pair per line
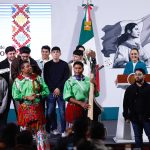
79, 77
32, 77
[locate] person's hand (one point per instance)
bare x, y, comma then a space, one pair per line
91, 53
31, 98
85, 105
92, 80
56, 92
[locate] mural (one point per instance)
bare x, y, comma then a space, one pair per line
121, 37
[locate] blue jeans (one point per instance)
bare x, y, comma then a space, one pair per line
51, 113
138, 132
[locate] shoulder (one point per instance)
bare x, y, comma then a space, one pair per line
32, 60
141, 63
16, 61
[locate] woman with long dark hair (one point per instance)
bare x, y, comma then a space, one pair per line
125, 43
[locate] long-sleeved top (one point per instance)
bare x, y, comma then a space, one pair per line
3, 94
136, 104
77, 89
3, 65
24, 86
55, 74
130, 69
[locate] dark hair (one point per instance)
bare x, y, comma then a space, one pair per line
45, 47
56, 48
124, 37
22, 64
97, 130
78, 63
9, 49
80, 46
141, 70
24, 138
135, 49
25, 49
78, 52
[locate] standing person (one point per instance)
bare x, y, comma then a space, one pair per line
24, 56
125, 43
3, 101
76, 92
134, 63
28, 88
78, 56
10, 52
56, 72
136, 107
45, 52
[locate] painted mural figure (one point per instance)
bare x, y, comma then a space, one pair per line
120, 38
125, 43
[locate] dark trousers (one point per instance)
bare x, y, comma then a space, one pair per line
51, 113
138, 132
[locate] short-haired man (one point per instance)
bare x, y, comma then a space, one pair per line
24, 56
10, 52
56, 72
136, 106
78, 56
45, 52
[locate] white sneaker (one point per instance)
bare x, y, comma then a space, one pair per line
55, 132
64, 134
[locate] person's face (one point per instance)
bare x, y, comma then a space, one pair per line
134, 55
11, 55
27, 69
135, 32
77, 58
139, 76
78, 69
45, 54
24, 56
55, 54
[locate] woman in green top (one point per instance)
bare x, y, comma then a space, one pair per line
28, 89
76, 92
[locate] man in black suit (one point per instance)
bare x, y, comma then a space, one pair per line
10, 52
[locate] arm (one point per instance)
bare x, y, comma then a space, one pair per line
16, 92
121, 56
15, 69
126, 105
44, 90
4, 94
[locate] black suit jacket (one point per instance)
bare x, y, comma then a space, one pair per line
3, 65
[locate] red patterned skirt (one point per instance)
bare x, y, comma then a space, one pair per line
31, 116
74, 112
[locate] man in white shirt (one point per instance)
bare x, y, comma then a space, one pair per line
45, 52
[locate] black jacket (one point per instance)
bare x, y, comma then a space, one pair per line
3, 65
136, 104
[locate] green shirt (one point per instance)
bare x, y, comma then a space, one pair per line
25, 87
77, 89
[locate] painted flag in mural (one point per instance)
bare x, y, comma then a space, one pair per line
20, 26
87, 35
112, 32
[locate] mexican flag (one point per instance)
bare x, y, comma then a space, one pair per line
87, 35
